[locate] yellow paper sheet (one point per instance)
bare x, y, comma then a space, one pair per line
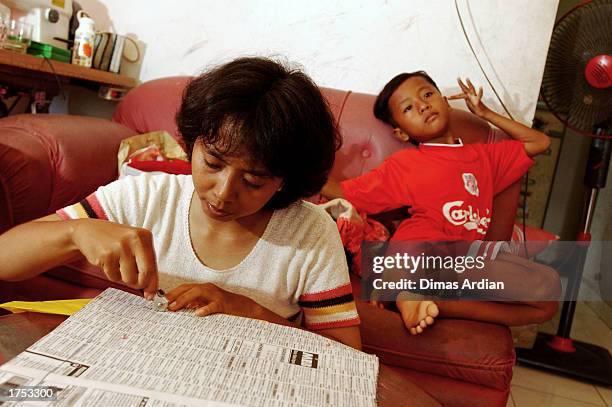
60, 307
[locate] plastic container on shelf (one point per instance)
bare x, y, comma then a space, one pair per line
82, 51
48, 51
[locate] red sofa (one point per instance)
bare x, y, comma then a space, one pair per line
47, 162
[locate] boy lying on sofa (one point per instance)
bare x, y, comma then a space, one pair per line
443, 171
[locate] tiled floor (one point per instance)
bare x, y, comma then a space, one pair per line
531, 387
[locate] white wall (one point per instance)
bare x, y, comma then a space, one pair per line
351, 44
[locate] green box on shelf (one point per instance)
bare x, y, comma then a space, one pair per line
48, 51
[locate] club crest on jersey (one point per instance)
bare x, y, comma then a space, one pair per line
470, 183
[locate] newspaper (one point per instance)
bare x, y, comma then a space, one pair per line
119, 351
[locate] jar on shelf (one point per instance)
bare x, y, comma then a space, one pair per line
82, 51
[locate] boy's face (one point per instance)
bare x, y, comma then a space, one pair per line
420, 111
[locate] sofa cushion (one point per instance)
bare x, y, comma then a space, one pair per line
152, 106
532, 241
457, 393
366, 141
476, 352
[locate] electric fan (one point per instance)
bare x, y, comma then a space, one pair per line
577, 88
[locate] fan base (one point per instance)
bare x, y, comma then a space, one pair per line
589, 362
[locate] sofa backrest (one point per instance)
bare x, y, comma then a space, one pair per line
152, 105
50, 161
366, 141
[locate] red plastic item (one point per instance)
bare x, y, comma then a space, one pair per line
170, 167
559, 344
598, 71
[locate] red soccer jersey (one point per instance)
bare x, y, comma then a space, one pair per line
448, 187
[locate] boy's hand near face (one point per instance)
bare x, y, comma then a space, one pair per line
473, 99
534, 141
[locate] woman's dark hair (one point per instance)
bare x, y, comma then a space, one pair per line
381, 106
276, 114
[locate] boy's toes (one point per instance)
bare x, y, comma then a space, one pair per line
417, 315
432, 310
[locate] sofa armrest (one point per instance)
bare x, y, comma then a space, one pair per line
50, 161
476, 352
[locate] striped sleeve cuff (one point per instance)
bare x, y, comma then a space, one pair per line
88, 208
329, 309
490, 249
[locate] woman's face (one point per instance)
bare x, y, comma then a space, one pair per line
230, 187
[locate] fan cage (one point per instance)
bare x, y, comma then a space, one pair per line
581, 34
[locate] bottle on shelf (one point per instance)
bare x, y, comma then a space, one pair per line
82, 51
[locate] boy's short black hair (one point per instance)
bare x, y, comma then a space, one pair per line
381, 106
274, 113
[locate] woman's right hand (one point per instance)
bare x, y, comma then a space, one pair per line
125, 253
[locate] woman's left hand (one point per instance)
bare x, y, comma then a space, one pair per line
208, 299
473, 99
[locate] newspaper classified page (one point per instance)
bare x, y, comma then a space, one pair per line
118, 351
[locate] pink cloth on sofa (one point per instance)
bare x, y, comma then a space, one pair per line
355, 228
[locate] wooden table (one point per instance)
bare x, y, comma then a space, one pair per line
19, 331
30, 74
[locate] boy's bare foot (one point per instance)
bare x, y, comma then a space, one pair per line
416, 312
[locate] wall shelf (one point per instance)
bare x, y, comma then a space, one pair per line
22, 66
